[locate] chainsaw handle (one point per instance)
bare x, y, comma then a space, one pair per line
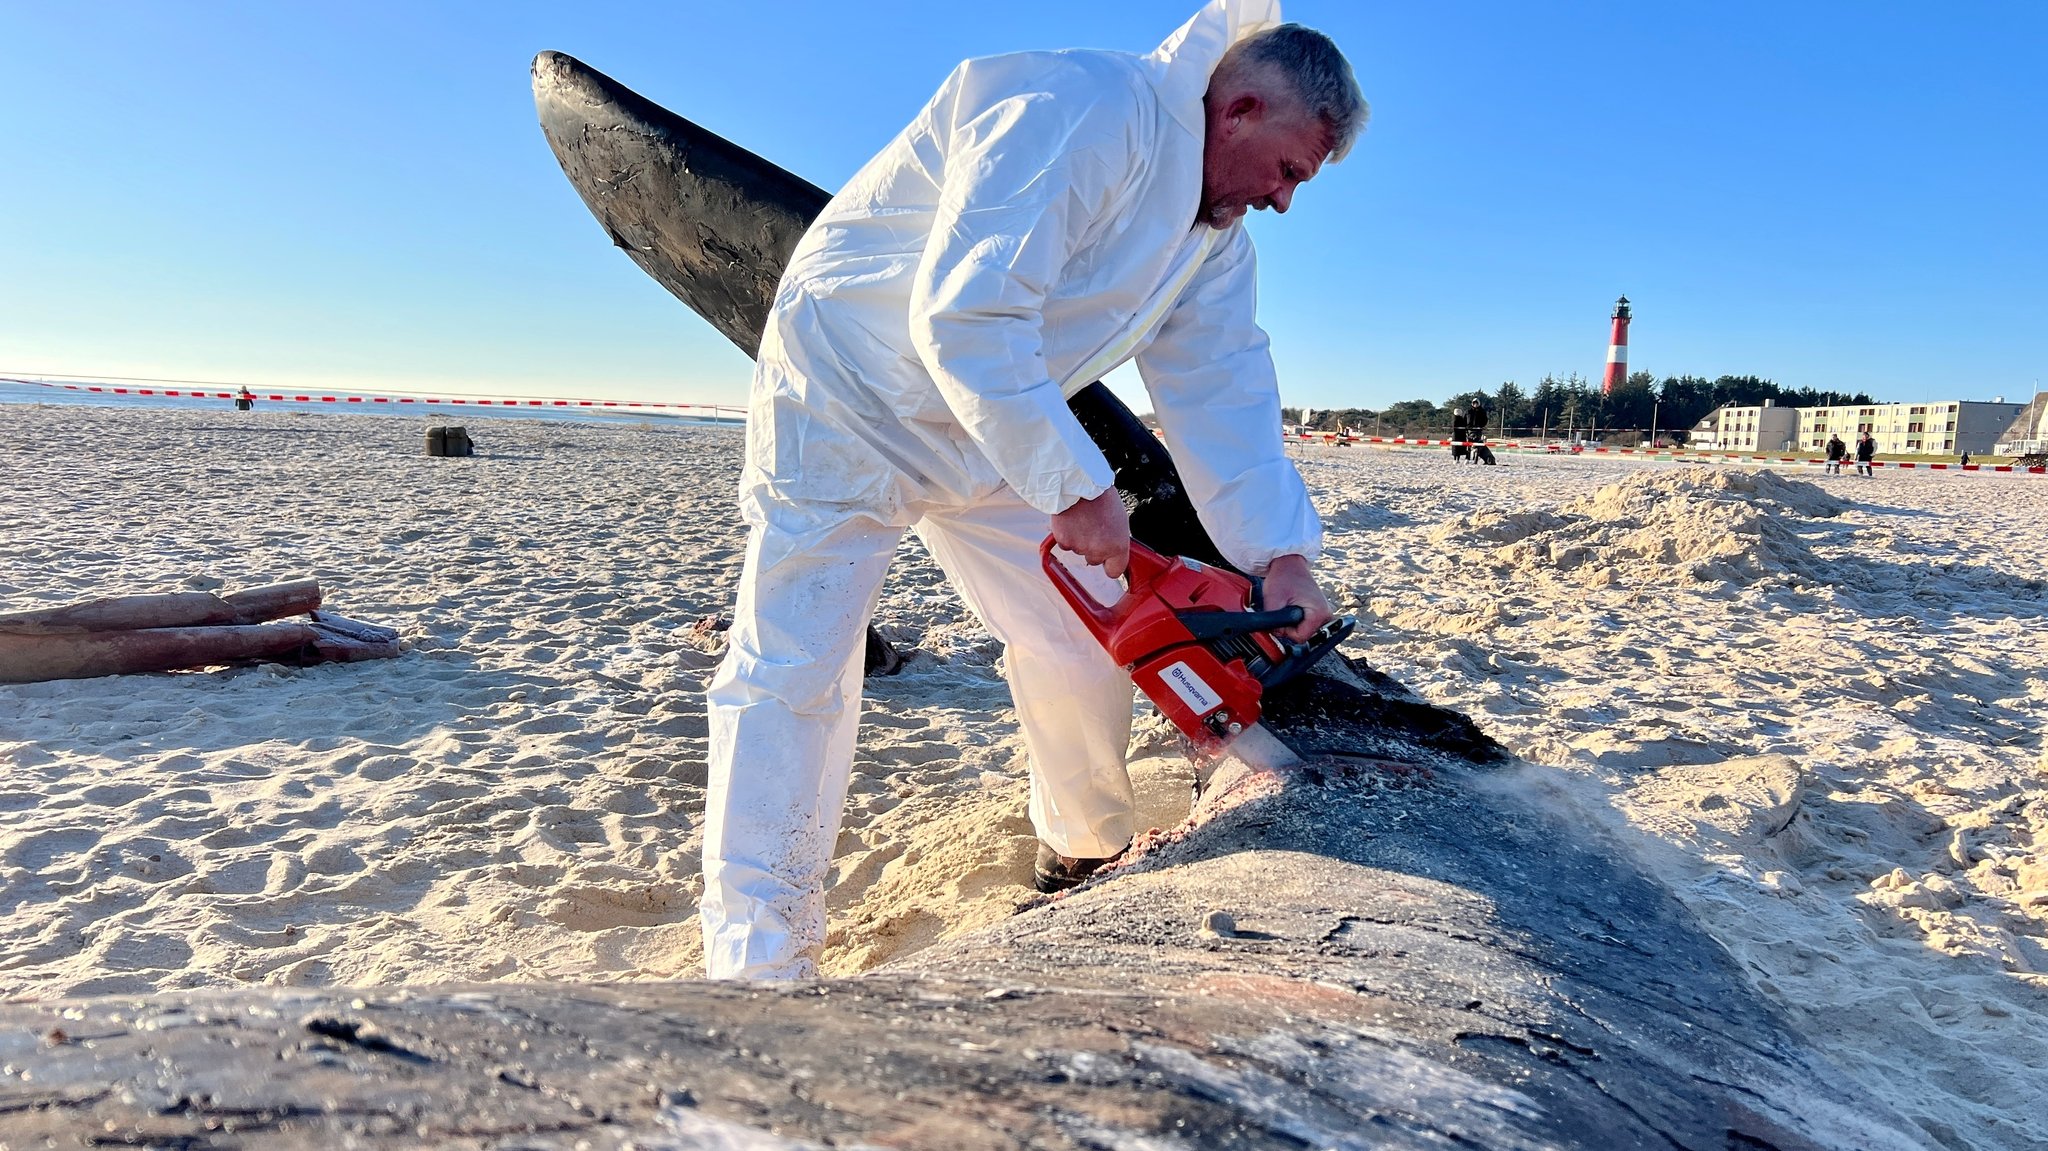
1101, 619
1306, 654
1207, 625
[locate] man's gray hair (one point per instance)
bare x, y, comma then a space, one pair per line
1308, 62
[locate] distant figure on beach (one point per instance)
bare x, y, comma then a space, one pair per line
1029, 231
245, 400
1866, 451
1475, 431
1837, 452
1965, 461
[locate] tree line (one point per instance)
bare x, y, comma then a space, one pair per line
1574, 405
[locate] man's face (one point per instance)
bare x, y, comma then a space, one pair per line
1255, 154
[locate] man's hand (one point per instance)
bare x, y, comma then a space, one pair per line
1099, 531
1288, 583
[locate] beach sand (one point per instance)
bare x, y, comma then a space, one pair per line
1815, 706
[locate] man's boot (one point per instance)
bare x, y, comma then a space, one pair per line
1055, 872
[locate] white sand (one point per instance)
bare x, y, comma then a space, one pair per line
1819, 701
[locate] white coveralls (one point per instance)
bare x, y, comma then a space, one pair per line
1030, 230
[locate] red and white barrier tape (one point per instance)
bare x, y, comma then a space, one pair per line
317, 398
718, 411
1705, 457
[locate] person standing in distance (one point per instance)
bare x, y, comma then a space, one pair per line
1046, 217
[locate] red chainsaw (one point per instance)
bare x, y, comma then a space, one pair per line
1196, 639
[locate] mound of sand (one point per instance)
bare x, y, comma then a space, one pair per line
1701, 524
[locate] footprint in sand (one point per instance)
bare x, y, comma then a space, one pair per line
917, 754
183, 828
241, 935
193, 795
900, 723
602, 907
688, 725
114, 794
332, 859
40, 850
379, 768
878, 803
854, 873
148, 859
877, 942
628, 801
1735, 804
242, 877
1003, 873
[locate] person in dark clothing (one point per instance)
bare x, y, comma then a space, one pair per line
1837, 452
1866, 451
1459, 436
1965, 460
245, 400
1475, 431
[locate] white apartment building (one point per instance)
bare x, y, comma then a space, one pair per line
1767, 428
1937, 429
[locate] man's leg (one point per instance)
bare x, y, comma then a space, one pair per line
1073, 702
784, 708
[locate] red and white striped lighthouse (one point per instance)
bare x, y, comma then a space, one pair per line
1617, 350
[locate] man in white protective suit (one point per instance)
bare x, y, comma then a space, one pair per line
1046, 217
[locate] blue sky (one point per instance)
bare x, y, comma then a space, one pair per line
1834, 194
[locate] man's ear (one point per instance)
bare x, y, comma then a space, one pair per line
1244, 109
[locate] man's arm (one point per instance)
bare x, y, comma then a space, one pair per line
1214, 392
1026, 173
